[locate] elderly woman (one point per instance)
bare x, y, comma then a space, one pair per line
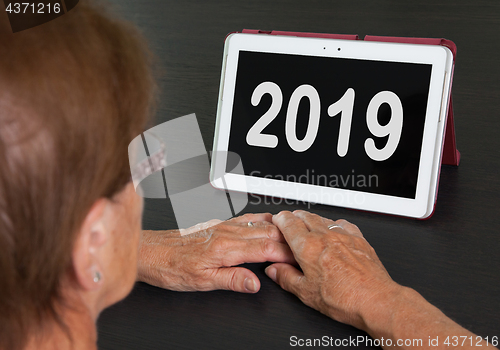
73, 93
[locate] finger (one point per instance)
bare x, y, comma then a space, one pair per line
287, 276
262, 229
329, 222
237, 279
337, 226
332, 225
345, 232
252, 218
312, 221
293, 229
349, 227
238, 252
316, 222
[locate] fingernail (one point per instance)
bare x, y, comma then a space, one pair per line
271, 272
250, 285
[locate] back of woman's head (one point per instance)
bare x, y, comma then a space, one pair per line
73, 93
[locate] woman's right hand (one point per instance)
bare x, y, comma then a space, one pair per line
342, 275
343, 278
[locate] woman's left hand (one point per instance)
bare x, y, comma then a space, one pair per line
204, 260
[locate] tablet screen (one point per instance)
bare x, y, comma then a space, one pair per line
333, 122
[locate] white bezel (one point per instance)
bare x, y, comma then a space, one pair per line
442, 63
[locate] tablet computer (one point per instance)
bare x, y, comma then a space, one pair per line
339, 122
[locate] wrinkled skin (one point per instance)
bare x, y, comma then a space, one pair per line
341, 271
205, 260
343, 278
341, 274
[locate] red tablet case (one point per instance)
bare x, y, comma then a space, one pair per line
450, 155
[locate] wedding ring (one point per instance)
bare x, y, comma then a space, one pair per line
250, 224
332, 226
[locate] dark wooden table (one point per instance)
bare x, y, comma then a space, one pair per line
453, 259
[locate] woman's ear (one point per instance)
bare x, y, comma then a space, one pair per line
86, 257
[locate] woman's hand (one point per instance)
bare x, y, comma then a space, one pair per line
343, 278
341, 275
204, 260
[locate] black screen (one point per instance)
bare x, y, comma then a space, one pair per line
320, 164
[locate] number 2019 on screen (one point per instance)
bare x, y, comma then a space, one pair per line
344, 106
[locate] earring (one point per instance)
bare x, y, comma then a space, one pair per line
97, 277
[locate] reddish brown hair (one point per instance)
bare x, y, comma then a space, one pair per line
73, 93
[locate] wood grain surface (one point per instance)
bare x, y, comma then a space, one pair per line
453, 259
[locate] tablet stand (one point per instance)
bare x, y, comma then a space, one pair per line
450, 156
